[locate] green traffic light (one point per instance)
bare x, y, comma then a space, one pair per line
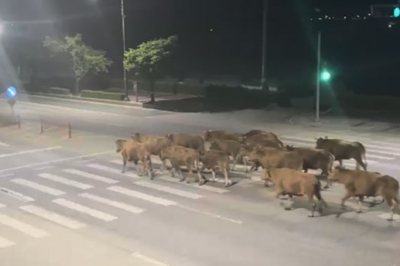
325, 75
396, 12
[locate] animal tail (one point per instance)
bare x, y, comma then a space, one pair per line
317, 191
363, 152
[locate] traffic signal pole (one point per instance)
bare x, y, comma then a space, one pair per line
318, 77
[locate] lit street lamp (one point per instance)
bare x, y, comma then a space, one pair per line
322, 75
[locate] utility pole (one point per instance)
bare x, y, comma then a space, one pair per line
264, 45
318, 78
124, 48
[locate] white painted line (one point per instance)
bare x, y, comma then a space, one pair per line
16, 194
387, 147
289, 138
380, 157
55, 161
142, 196
203, 187
386, 143
2, 205
29, 151
22, 227
148, 259
52, 216
385, 216
41, 188
116, 204
210, 214
44, 167
168, 190
65, 181
4, 144
5, 243
91, 176
111, 170
11, 174
83, 209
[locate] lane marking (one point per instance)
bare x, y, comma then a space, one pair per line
4, 144
209, 214
170, 190
16, 194
10, 174
22, 227
52, 216
116, 204
55, 161
83, 209
29, 151
39, 187
148, 259
385, 216
5, 243
111, 170
44, 167
142, 196
91, 176
65, 181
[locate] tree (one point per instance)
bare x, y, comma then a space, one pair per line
84, 59
148, 57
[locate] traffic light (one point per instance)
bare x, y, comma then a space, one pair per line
325, 75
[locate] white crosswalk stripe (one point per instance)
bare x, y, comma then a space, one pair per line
142, 196
51, 216
173, 191
65, 181
116, 204
112, 170
39, 187
86, 210
5, 243
91, 176
22, 227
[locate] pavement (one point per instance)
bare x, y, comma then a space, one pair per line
69, 196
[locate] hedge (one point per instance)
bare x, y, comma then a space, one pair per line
50, 90
103, 95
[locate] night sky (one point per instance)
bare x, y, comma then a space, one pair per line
217, 37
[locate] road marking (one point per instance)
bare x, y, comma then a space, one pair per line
52, 216
203, 187
44, 167
111, 170
11, 174
16, 195
2, 205
380, 157
116, 204
4, 144
28, 151
91, 176
55, 161
385, 216
142, 196
22, 227
148, 259
5, 243
209, 214
389, 147
83, 209
44, 189
65, 181
168, 190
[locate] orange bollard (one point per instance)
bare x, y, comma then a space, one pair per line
69, 131
41, 126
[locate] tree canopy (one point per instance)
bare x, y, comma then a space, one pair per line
84, 59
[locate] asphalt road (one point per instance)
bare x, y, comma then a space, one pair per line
61, 206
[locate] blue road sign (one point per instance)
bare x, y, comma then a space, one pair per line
11, 92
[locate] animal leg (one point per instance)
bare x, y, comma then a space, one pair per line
213, 175
245, 162
360, 199
235, 159
346, 197
123, 165
393, 204
228, 182
180, 174
314, 205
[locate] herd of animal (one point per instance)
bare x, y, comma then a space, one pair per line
283, 165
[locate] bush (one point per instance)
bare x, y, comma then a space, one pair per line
103, 95
55, 90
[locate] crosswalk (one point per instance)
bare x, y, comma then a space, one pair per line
76, 195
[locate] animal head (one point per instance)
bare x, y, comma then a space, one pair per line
169, 136
320, 141
136, 136
289, 147
213, 145
207, 134
120, 144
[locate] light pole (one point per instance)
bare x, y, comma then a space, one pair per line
318, 77
264, 45
124, 48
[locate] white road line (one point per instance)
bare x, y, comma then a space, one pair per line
289, 138
83, 209
65, 181
16, 194
385, 216
170, 190
111, 170
22, 227
203, 187
52, 216
41, 188
148, 259
142, 196
388, 147
5, 175
44, 167
5, 243
369, 155
210, 214
91, 176
4, 144
116, 204
28, 151
2, 205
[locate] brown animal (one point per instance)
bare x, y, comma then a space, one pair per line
315, 159
344, 150
295, 183
269, 157
264, 141
210, 135
154, 144
362, 184
188, 141
230, 147
244, 152
255, 132
180, 156
215, 159
133, 151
